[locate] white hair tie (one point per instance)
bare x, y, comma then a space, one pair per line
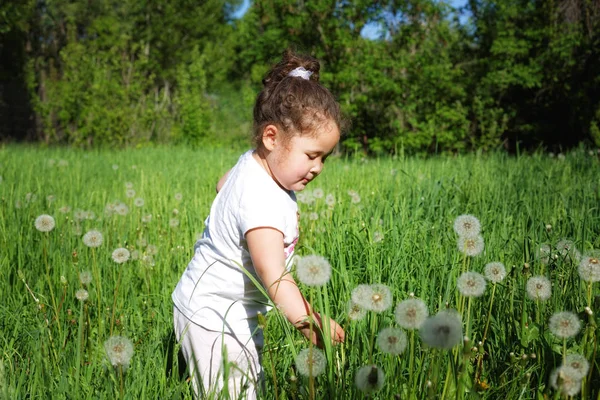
300, 72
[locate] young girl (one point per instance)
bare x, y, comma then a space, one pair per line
251, 233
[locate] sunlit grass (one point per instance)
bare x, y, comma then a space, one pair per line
377, 221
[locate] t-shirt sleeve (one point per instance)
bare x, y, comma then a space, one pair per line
259, 210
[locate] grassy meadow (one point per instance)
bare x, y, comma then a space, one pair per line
378, 221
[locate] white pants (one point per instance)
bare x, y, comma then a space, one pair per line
204, 351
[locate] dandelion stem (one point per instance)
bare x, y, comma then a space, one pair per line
479, 368
411, 361
54, 307
112, 318
79, 344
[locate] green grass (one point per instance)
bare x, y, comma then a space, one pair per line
52, 344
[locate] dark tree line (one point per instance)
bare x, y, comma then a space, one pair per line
131, 72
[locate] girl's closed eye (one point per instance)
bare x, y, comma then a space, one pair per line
311, 156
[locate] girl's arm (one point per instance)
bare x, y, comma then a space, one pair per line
266, 249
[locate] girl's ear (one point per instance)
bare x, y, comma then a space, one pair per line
270, 137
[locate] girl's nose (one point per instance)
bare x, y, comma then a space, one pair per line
317, 167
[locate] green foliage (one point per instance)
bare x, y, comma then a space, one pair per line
516, 73
193, 112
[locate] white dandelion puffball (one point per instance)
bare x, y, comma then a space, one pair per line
318, 193
471, 284
539, 288
564, 324
311, 362
122, 209
392, 340
130, 193
44, 223
82, 295
151, 250
138, 202
93, 238
470, 245
589, 267
495, 272
411, 313
377, 237
85, 277
173, 222
119, 350
467, 225
579, 363
543, 253
128, 185
565, 380
313, 216
443, 330
369, 379
355, 311
178, 196
120, 255
313, 270
330, 200
566, 249
376, 297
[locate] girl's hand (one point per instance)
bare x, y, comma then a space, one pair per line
337, 334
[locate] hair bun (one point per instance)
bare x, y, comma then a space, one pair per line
289, 62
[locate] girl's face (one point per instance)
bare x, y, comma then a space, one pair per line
296, 162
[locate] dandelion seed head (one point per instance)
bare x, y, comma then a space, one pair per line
369, 379
376, 297
44, 223
85, 277
93, 238
589, 267
120, 255
64, 209
138, 202
173, 222
146, 218
579, 363
377, 237
330, 200
318, 193
130, 193
467, 225
495, 272
122, 209
411, 313
471, 284
539, 288
128, 185
564, 379
119, 350
392, 340
313, 216
151, 250
178, 196
470, 245
543, 253
566, 249
311, 362
313, 270
564, 324
355, 311
82, 295
135, 255
443, 330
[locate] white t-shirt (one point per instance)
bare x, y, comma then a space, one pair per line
213, 291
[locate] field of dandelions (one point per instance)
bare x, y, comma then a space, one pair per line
453, 277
